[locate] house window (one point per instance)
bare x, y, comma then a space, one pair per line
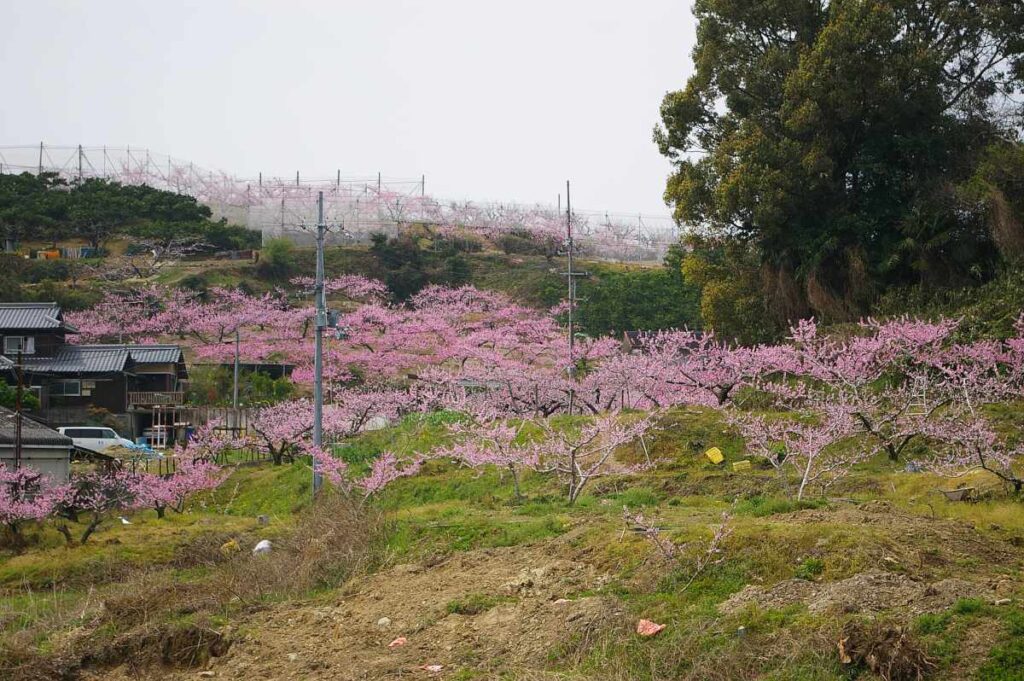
23, 344
66, 388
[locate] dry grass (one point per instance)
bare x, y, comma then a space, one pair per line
159, 616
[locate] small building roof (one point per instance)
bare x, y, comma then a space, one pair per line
146, 354
84, 359
32, 316
33, 433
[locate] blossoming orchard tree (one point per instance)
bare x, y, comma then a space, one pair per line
811, 445
96, 496
196, 470
580, 453
282, 430
880, 388
489, 441
24, 497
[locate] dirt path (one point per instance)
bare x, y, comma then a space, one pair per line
512, 607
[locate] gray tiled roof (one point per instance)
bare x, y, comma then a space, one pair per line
73, 359
30, 316
144, 354
32, 432
155, 354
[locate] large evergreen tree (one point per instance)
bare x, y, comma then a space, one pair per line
836, 137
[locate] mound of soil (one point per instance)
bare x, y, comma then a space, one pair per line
869, 592
523, 607
928, 549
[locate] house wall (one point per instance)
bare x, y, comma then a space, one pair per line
54, 462
47, 342
155, 378
108, 393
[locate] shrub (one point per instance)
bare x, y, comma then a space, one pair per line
277, 260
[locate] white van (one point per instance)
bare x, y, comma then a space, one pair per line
95, 439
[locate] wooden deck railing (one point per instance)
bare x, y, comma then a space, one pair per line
152, 399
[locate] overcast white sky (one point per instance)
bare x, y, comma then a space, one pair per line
491, 100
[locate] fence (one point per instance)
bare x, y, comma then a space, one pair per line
279, 206
168, 465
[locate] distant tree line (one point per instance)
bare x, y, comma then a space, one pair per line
48, 208
827, 152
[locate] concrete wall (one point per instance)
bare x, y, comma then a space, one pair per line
53, 462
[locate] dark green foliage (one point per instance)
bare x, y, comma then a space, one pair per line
406, 267
457, 272
277, 260
214, 385
203, 236
524, 242
614, 301
96, 210
986, 311
837, 139
194, 282
9, 397
728, 276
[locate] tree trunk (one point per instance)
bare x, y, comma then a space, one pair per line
515, 483
93, 524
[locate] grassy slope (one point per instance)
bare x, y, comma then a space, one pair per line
446, 511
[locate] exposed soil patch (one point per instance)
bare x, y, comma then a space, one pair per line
870, 592
528, 611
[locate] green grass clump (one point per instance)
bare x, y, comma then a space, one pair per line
1006, 661
638, 497
810, 568
761, 506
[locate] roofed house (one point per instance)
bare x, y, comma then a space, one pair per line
32, 329
42, 447
132, 383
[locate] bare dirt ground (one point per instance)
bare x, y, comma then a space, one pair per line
507, 612
869, 592
519, 603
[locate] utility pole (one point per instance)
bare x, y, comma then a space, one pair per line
570, 274
17, 416
571, 277
318, 358
40, 158
234, 392
79, 164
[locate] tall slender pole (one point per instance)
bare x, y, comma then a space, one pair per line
572, 284
234, 391
79, 163
572, 296
17, 417
318, 359
40, 158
